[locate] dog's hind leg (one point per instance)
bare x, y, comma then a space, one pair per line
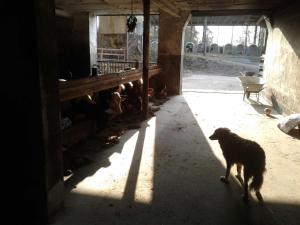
225, 178
246, 192
239, 169
259, 196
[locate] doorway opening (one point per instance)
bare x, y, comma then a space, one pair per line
219, 49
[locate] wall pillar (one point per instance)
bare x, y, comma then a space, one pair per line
170, 49
50, 104
81, 60
93, 39
282, 64
30, 115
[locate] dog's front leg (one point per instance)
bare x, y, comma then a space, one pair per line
238, 176
225, 178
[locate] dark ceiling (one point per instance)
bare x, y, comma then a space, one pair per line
172, 7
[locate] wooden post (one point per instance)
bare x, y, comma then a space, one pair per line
255, 34
146, 57
232, 34
246, 40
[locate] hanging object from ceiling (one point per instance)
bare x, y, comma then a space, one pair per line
131, 21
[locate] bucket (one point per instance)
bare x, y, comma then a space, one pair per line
94, 70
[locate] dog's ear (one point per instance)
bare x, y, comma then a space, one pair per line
225, 129
221, 132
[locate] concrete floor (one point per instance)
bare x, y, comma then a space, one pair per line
211, 83
167, 172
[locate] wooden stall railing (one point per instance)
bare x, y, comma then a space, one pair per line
106, 67
113, 66
79, 87
111, 54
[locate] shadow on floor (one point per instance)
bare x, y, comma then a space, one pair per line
260, 108
295, 133
185, 186
85, 152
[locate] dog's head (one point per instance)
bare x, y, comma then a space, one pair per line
219, 133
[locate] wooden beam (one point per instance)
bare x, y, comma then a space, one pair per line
166, 6
261, 18
62, 13
79, 87
146, 57
229, 5
230, 12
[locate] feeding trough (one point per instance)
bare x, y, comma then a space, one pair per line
252, 84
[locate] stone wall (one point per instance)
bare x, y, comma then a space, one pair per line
282, 64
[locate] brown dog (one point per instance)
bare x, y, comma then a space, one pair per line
243, 152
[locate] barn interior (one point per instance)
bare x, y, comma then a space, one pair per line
99, 130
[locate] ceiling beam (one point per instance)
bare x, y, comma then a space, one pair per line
230, 12
261, 18
166, 6
233, 4
62, 13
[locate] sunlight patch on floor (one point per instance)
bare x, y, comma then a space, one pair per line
144, 187
110, 181
196, 106
212, 111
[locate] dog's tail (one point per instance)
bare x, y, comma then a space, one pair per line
258, 178
257, 182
